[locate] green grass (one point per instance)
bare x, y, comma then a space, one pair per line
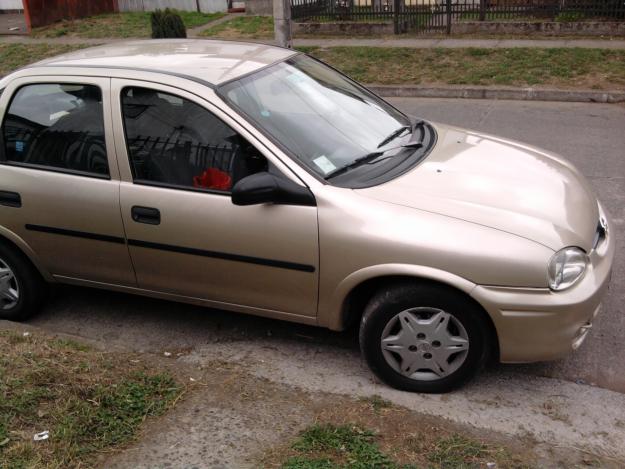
352, 447
342, 447
14, 56
88, 401
243, 27
566, 68
118, 25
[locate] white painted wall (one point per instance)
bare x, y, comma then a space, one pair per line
11, 5
206, 6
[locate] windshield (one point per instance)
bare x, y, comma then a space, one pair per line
320, 116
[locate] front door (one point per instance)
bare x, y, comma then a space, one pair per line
184, 234
58, 164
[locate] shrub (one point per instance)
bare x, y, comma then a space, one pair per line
167, 24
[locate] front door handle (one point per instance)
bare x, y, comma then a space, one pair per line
151, 216
10, 199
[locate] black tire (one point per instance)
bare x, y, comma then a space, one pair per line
31, 286
390, 301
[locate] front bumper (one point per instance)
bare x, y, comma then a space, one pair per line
536, 324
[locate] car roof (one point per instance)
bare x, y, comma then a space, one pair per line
212, 62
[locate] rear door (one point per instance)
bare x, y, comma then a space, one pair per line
179, 157
58, 165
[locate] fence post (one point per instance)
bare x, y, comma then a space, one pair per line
396, 28
448, 17
482, 10
282, 22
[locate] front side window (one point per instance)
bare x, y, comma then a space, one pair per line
57, 126
175, 142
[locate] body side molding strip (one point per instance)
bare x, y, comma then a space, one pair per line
171, 248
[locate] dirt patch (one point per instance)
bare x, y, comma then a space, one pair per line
408, 439
235, 419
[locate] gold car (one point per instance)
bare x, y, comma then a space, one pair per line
256, 179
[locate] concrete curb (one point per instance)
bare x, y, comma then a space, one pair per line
485, 92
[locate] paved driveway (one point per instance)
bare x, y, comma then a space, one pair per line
13, 23
591, 135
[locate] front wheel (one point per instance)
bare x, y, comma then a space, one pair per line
423, 337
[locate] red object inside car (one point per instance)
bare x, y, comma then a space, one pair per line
213, 178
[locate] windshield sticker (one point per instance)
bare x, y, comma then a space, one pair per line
324, 164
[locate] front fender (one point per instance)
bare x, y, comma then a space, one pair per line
332, 315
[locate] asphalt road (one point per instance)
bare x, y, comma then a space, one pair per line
591, 135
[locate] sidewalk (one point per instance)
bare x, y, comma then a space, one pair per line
416, 43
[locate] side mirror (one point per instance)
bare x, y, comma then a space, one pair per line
265, 188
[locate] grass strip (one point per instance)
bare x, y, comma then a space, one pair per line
242, 27
328, 446
88, 401
118, 25
13, 56
574, 68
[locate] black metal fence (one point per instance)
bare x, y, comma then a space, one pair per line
438, 15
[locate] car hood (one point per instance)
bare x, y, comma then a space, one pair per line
501, 184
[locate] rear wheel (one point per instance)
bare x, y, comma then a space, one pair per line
22, 290
423, 338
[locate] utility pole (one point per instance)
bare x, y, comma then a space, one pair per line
282, 23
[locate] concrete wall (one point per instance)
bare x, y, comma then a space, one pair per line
259, 7
546, 28
11, 5
206, 6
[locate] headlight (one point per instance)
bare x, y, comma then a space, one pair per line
566, 267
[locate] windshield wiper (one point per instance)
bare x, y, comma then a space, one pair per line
413, 142
370, 158
357, 162
394, 135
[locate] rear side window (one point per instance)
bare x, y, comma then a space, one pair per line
58, 127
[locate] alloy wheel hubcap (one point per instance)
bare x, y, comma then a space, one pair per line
9, 289
424, 344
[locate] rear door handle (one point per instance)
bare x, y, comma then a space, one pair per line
10, 199
151, 216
